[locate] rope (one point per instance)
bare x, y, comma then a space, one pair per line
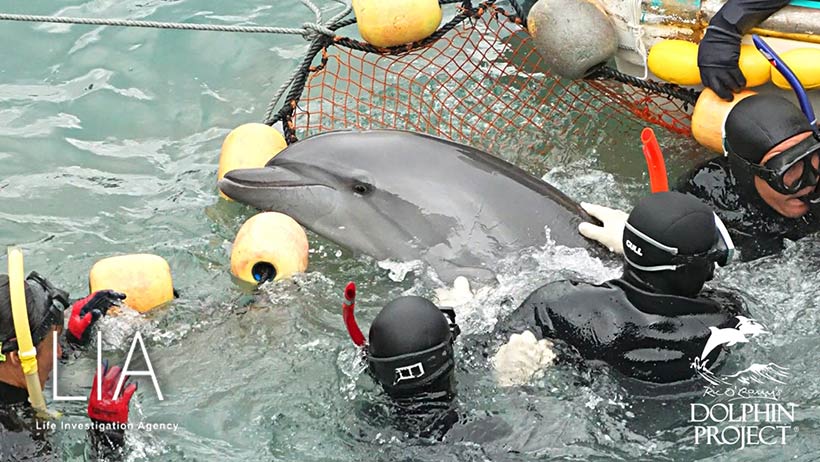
307, 29
316, 45
687, 95
634, 26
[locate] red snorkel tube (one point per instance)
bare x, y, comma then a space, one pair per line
347, 315
654, 161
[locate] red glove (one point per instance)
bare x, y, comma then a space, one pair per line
110, 409
85, 312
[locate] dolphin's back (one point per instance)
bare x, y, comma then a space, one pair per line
449, 171
484, 206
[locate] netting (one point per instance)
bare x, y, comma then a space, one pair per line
478, 81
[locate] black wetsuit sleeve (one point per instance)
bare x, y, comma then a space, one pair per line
72, 348
523, 318
107, 443
742, 15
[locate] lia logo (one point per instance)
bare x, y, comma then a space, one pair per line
634, 248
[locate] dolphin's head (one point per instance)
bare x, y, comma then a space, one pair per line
357, 199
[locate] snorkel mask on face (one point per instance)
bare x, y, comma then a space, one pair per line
24, 341
411, 344
795, 168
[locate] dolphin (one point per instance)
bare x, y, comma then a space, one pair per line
406, 196
717, 337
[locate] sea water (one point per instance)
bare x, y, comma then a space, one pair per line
109, 143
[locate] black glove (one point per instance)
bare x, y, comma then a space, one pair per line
85, 312
718, 56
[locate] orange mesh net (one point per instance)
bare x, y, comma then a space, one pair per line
482, 83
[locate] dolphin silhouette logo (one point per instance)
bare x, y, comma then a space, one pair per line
732, 335
750, 326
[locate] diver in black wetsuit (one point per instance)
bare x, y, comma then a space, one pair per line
410, 354
651, 323
765, 188
20, 437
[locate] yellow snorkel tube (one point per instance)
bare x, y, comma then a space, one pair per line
27, 351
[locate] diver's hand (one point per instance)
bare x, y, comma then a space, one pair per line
457, 296
110, 408
521, 359
86, 311
611, 235
718, 55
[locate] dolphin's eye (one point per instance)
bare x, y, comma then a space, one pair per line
362, 188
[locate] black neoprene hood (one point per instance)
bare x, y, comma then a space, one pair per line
407, 325
670, 219
760, 122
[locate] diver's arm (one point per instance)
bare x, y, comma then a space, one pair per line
719, 50
743, 15
107, 444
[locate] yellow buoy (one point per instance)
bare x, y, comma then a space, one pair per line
675, 61
710, 114
144, 278
388, 23
269, 245
805, 62
754, 66
248, 146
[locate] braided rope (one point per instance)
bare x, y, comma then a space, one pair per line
687, 95
318, 43
307, 29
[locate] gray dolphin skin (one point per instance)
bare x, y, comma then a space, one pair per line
405, 196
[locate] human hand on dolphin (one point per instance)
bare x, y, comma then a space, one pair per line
521, 359
611, 234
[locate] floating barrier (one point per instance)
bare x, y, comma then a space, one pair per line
396, 22
144, 278
269, 246
248, 146
593, 39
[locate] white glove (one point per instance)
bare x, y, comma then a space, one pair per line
611, 235
457, 296
521, 359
